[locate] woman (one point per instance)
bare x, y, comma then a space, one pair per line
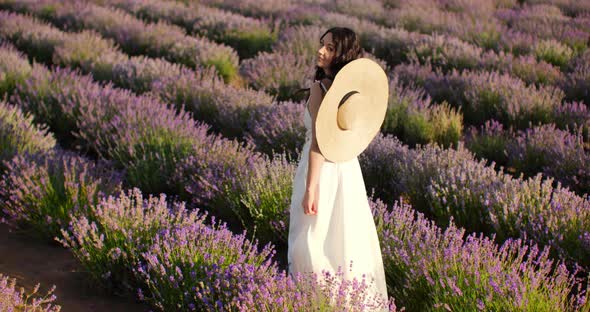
330, 224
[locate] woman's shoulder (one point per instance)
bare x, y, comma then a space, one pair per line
323, 83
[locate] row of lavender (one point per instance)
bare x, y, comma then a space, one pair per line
445, 53
136, 37
12, 299
377, 9
171, 256
519, 27
214, 101
176, 260
389, 186
248, 36
279, 73
261, 72
554, 152
396, 46
505, 102
539, 106
228, 109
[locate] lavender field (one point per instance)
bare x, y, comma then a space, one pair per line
158, 140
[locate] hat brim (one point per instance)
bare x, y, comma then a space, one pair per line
368, 78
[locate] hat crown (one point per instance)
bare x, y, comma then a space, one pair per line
348, 112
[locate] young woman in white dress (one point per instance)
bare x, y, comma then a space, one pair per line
330, 224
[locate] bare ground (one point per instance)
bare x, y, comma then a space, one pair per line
31, 261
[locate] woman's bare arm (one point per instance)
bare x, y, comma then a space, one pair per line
316, 159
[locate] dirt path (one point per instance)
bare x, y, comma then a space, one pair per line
32, 262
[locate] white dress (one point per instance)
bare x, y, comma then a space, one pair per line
343, 229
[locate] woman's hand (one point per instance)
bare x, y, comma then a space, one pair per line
310, 202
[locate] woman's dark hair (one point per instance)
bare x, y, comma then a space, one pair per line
347, 48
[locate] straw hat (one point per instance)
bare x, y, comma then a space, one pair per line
352, 111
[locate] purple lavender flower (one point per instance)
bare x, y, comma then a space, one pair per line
13, 299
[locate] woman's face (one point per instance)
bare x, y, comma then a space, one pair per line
326, 52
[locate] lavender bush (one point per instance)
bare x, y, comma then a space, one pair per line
177, 268
257, 9
493, 202
174, 258
28, 34
147, 147
229, 110
279, 74
138, 133
384, 164
444, 183
557, 153
53, 98
369, 10
576, 83
525, 67
213, 177
91, 53
412, 117
423, 17
253, 290
296, 40
41, 193
575, 116
431, 268
487, 95
551, 51
13, 299
569, 7
263, 198
546, 21
246, 189
142, 135
19, 135
428, 18
14, 68
446, 52
489, 142
554, 216
516, 42
279, 129
304, 15
110, 240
